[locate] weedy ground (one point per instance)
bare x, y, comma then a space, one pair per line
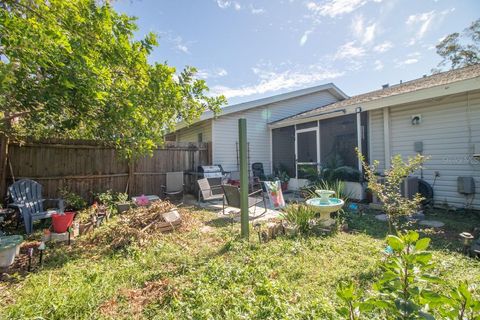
204, 271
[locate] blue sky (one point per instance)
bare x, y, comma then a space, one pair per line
248, 49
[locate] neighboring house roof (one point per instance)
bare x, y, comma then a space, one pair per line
426, 82
330, 87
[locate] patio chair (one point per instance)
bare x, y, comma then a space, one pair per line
257, 171
232, 198
174, 185
27, 199
207, 192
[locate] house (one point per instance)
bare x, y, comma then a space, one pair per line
222, 129
437, 115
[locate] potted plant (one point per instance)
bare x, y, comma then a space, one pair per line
73, 201
284, 179
108, 199
85, 219
122, 202
62, 221
351, 178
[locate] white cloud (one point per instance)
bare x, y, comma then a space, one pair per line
254, 10
365, 33
378, 65
383, 47
176, 42
349, 51
423, 22
410, 61
209, 73
224, 4
304, 37
333, 8
182, 47
271, 81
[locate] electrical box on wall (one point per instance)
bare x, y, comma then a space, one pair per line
418, 146
476, 150
466, 185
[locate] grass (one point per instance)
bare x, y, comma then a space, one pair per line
207, 273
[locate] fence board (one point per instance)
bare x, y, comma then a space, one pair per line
87, 167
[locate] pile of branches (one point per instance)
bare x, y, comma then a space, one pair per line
136, 225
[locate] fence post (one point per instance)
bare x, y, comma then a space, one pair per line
242, 138
3, 166
131, 177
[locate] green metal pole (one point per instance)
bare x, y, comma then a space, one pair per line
242, 138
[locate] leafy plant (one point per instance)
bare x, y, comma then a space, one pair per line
75, 69
86, 215
109, 199
300, 216
388, 191
122, 197
283, 176
404, 289
72, 200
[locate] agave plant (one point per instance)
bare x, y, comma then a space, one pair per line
299, 216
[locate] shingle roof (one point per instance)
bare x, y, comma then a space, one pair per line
425, 82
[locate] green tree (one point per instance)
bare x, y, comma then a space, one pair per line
460, 49
73, 69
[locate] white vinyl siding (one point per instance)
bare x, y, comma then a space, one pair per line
376, 143
190, 134
449, 129
225, 129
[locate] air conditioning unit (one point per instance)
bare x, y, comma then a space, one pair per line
408, 188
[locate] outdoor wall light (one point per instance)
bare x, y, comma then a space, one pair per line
358, 109
416, 119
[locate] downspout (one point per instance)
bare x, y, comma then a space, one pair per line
358, 110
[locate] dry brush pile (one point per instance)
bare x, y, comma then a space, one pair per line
139, 225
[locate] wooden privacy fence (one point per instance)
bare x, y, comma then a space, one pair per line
87, 167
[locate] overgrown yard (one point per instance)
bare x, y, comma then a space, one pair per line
204, 272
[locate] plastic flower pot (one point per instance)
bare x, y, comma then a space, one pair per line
61, 222
9, 246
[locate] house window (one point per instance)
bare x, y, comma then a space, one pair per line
200, 137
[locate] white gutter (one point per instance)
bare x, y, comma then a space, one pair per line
398, 99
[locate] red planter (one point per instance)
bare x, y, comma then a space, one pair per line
61, 222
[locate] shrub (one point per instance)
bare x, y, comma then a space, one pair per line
298, 215
388, 192
72, 200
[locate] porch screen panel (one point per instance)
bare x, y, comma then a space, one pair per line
283, 149
338, 139
307, 146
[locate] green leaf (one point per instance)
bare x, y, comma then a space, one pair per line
422, 244
395, 242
